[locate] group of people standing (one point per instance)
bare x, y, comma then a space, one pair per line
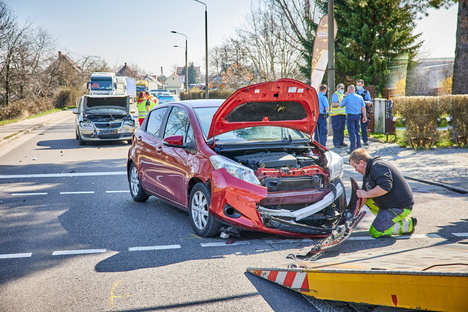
348, 108
387, 193
145, 102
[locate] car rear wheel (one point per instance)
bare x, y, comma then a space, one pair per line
203, 223
137, 192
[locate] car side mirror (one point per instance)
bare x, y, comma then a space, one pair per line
75, 111
174, 141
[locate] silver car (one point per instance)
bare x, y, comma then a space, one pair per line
104, 118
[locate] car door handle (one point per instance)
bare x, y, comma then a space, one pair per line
159, 148
139, 138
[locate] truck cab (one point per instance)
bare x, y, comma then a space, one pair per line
102, 83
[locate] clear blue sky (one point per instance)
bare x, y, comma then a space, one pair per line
138, 32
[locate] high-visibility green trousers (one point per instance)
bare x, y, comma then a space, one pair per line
389, 222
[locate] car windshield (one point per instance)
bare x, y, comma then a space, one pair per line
249, 134
101, 84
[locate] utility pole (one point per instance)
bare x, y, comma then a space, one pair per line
331, 57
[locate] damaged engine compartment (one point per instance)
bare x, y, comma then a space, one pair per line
301, 197
285, 170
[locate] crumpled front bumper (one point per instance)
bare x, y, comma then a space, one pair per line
236, 202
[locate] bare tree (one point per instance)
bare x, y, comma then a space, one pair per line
266, 42
301, 18
33, 55
263, 49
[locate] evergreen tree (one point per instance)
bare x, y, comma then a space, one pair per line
371, 33
192, 74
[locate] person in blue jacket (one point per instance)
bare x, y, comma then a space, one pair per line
367, 100
355, 108
321, 130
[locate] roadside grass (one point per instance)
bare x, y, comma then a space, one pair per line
444, 139
9, 121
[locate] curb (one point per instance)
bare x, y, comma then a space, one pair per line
20, 133
452, 188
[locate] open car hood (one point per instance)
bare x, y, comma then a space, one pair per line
284, 103
106, 102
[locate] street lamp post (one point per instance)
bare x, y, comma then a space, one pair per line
206, 50
186, 64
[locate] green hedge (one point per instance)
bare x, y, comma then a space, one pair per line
422, 114
24, 108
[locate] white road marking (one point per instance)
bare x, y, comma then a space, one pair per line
16, 255
222, 244
460, 234
288, 241
146, 248
360, 238
72, 193
108, 192
28, 194
78, 252
62, 175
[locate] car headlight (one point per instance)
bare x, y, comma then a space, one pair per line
235, 169
86, 124
335, 165
129, 122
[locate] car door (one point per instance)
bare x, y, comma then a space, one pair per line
149, 141
175, 168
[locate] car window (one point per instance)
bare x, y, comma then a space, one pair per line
205, 115
178, 123
260, 134
155, 118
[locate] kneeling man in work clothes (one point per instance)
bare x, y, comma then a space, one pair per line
388, 195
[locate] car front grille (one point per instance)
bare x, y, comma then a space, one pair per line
108, 125
292, 183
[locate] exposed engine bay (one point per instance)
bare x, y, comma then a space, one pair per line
286, 170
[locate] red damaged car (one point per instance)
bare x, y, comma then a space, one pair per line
245, 163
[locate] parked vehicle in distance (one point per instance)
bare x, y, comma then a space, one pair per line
126, 86
104, 118
141, 85
164, 98
245, 163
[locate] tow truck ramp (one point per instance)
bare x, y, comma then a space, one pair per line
434, 291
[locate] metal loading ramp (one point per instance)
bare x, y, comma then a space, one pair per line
423, 281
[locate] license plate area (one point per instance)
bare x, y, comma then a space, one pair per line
107, 131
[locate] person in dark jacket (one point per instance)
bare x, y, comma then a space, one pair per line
389, 195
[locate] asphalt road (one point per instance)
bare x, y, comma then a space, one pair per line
72, 238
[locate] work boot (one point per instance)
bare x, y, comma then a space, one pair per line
414, 221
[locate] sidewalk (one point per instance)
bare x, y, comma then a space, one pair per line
447, 167
12, 131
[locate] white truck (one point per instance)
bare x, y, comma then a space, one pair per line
126, 86
102, 83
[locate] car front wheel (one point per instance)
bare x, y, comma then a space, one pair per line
203, 223
137, 192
